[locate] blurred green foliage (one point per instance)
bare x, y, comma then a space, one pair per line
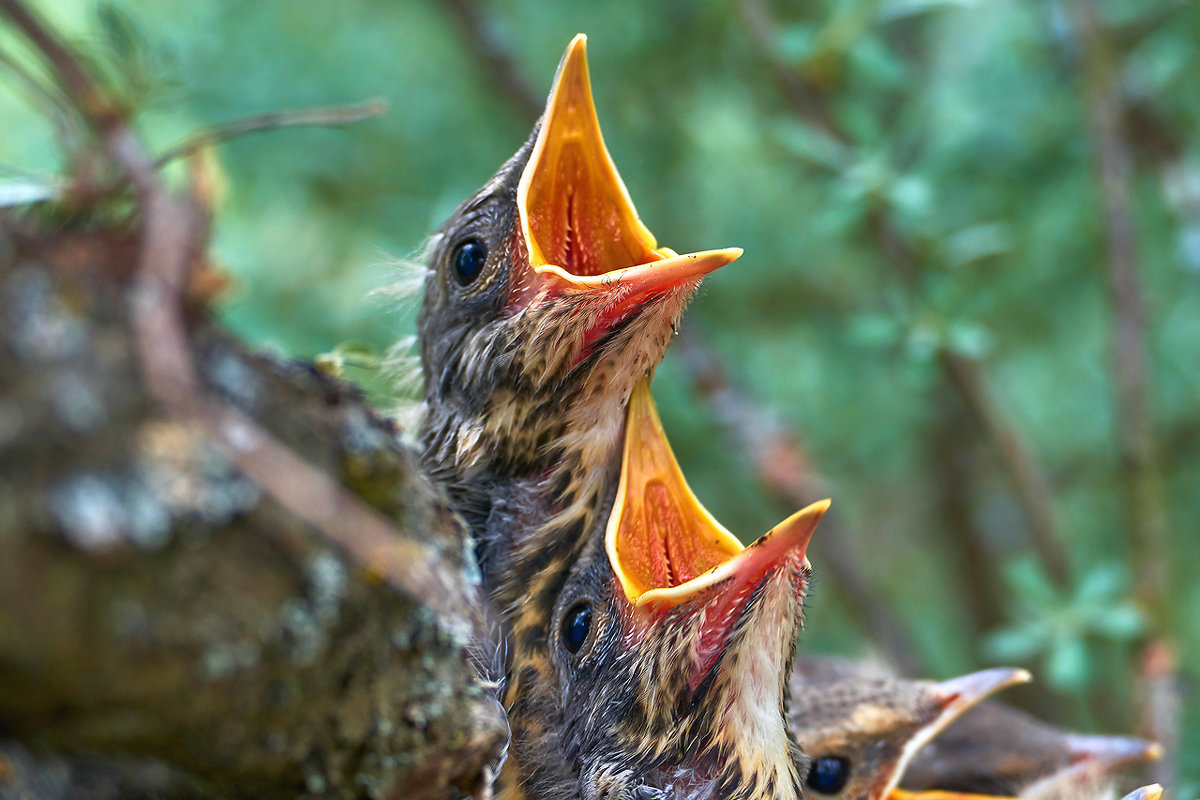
965, 129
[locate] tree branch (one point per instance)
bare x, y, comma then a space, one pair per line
495, 61
169, 245
156, 601
1139, 469
302, 118
314, 677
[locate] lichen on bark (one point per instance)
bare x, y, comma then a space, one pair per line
156, 604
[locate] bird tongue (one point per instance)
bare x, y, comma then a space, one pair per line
579, 227
666, 549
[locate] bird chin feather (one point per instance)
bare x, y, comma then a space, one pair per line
753, 676
733, 741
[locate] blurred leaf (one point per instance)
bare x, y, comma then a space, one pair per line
1015, 644
1102, 583
924, 339
977, 242
120, 33
874, 330
911, 195
1123, 622
969, 339
140, 70
1067, 664
869, 176
1058, 627
19, 193
1030, 585
898, 9
796, 42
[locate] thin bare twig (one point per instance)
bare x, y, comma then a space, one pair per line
170, 242
303, 118
966, 376
495, 60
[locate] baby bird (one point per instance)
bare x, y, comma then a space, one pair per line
862, 732
990, 749
647, 649
999, 750
545, 300
665, 670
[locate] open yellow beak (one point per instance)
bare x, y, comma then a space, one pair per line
664, 546
579, 225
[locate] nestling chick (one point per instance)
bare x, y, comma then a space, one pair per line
994, 750
546, 299
861, 733
670, 647
999, 750
648, 649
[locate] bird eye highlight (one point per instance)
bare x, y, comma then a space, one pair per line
828, 774
576, 625
468, 260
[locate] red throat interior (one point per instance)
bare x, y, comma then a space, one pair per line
666, 549
576, 215
663, 545
576, 212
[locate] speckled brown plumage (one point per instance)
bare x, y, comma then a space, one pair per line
862, 730
526, 389
998, 750
989, 750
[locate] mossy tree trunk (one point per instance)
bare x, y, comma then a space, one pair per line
167, 627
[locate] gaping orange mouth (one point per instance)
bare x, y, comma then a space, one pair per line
665, 548
579, 227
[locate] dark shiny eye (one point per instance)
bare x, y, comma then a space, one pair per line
468, 260
828, 774
576, 625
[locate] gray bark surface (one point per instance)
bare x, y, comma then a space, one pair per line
166, 628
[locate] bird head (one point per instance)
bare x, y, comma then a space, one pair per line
861, 733
665, 671
1001, 751
545, 300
